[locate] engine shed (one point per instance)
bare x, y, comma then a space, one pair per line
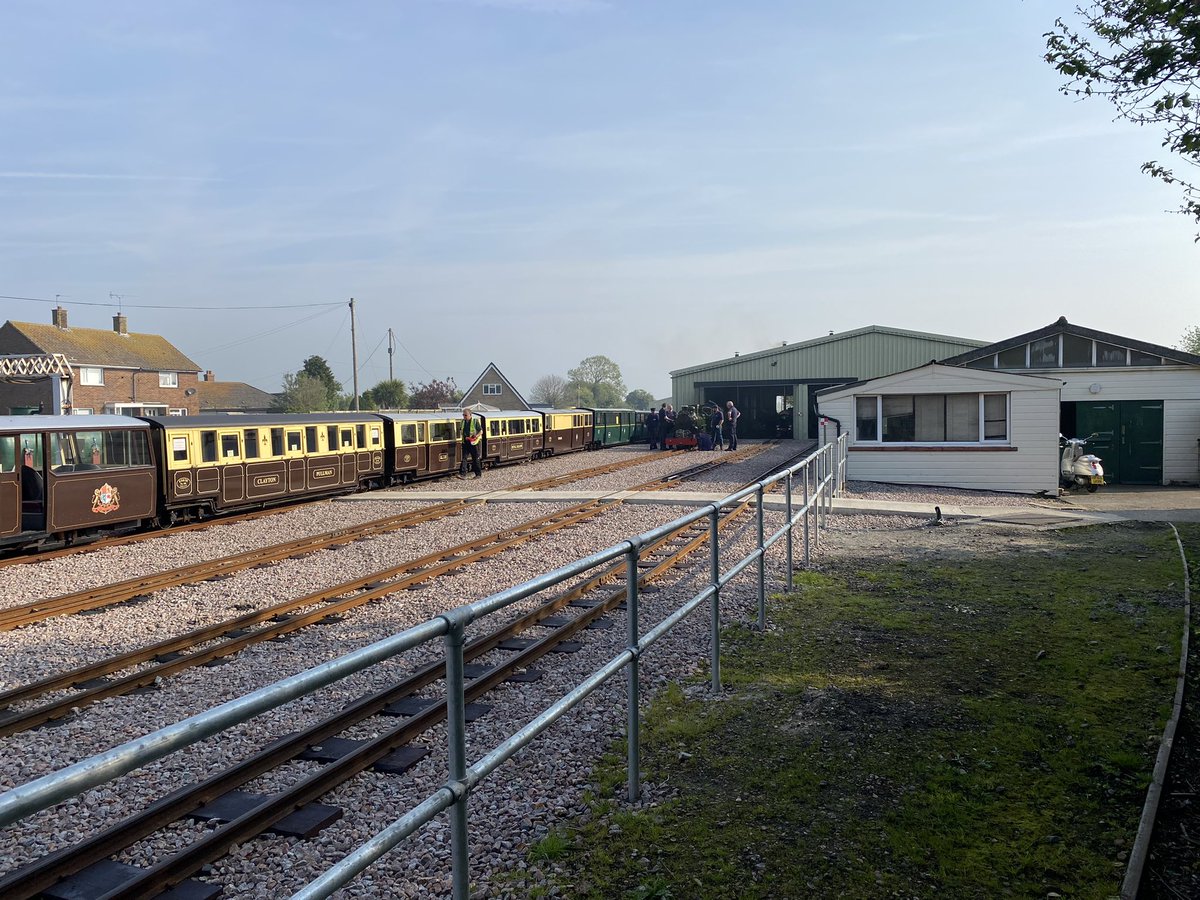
775, 389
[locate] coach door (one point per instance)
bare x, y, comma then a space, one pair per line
10, 486
293, 451
232, 467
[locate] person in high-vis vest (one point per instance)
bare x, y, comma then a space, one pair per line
472, 440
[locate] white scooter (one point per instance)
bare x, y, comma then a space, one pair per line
1079, 468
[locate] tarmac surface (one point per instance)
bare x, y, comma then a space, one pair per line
1110, 503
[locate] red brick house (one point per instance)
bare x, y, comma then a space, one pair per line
115, 371
232, 397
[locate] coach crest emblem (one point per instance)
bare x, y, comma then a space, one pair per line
106, 499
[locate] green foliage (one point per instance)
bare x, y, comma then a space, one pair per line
597, 382
386, 395
303, 393
639, 399
316, 367
553, 846
1144, 56
430, 395
1191, 340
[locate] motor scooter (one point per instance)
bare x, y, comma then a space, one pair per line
1078, 468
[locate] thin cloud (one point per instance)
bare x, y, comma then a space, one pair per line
103, 176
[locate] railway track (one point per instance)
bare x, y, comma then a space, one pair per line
205, 645
134, 589
242, 816
90, 546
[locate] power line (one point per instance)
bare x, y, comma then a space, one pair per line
253, 337
119, 305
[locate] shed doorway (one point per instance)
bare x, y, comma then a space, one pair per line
767, 411
1129, 437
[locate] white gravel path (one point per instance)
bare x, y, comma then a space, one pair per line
543, 787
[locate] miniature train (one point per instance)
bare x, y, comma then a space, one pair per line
67, 477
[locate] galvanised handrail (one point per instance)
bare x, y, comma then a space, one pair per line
822, 474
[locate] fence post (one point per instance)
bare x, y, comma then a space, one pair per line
762, 566
715, 574
807, 510
633, 728
456, 740
790, 529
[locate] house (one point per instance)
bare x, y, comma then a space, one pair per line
946, 425
493, 390
232, 396
775, 389
1141, 401
115, 371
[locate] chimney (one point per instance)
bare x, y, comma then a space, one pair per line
58, 316
208, 376
120, 324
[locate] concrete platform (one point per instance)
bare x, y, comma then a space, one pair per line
1032, 516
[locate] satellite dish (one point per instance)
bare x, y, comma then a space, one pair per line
190, 392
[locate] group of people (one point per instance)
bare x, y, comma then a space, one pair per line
721, 426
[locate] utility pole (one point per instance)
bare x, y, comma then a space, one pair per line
354, 354
391, 354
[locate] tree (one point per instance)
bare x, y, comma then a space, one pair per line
316, 367
1191, 340
388, 394
432, 394
302, 393
549, 389
1146, 61
597, 382
639, 399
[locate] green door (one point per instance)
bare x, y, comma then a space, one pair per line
1141, 441
1129, 438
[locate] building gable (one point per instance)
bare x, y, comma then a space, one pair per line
492, 389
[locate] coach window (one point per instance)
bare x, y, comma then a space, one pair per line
421, 432
293, 441
179, 448
251, 443
347, 439
516, 426
331, 436
33, 443
208, 446
277, 442
494, 428
408, 434
360, 432
310, 438
8, 453
229, 446
376, 436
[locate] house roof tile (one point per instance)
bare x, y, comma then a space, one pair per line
97, 347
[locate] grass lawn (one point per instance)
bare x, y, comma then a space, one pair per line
930, 717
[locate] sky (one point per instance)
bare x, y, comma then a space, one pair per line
532, 182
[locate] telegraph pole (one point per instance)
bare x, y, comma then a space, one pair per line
391, 354
354, 354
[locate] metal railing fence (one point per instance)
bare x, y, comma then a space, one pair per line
821, 475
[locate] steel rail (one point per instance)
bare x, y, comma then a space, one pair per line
32, 879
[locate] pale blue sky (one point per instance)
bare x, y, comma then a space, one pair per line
531, 182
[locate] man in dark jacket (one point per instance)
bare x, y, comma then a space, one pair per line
652, 429
714, 427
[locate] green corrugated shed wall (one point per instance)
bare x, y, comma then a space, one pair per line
847, 356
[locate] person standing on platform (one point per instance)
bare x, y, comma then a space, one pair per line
652, 429
715, 421
731, 417
666, 424
472, 437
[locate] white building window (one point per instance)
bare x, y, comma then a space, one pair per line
176, 412
93, 376
136, 409
168, 379
492, 389
81, 411
931, 418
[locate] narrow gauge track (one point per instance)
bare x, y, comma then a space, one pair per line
390, 752
133, 588
136, 536
203, 646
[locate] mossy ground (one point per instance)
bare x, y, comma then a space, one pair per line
968, 724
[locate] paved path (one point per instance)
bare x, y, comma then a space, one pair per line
1109, 504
